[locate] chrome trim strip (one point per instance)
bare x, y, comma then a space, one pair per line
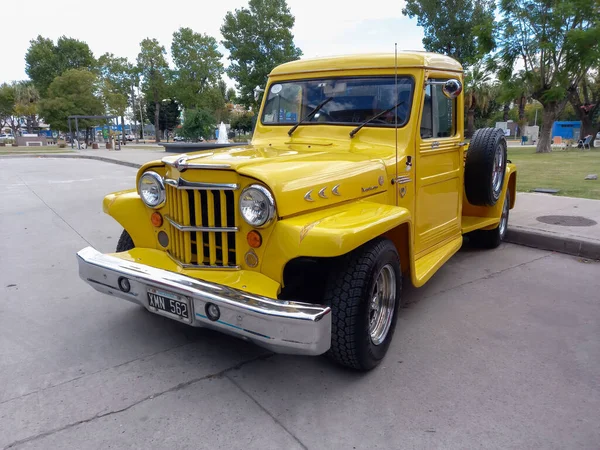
403, 180
200, 266
281, 326
192, 185
193, 228
181, 163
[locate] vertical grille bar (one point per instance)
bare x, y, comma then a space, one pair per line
224, 239
199, 240
211, 223
187, 241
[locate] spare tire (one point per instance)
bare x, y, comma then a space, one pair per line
485, 167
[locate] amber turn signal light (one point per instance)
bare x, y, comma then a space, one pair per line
254, 239
156, 219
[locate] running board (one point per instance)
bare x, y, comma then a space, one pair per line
429, 264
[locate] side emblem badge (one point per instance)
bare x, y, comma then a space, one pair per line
380, 180
402, 191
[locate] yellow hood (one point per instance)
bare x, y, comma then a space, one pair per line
301, 177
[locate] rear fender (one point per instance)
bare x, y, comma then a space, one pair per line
510, 185
127, 208
329, 233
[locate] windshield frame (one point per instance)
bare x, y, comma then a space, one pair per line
391, 77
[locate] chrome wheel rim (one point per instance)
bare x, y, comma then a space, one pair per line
381, 304
504, 218
497, 171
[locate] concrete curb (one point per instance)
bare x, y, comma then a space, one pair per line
546, 240
62, 155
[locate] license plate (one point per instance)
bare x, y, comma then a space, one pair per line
167, 302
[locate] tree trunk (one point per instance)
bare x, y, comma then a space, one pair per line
470, 122
522, 120
505, 112
588, 127
123, 129
549, 115
156, 122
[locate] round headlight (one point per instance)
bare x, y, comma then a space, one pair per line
257, 205
152, 189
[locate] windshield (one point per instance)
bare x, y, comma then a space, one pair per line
353, 101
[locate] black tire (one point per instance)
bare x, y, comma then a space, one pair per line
348, 292
479, 166
493, 238
125, 242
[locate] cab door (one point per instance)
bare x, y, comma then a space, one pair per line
438, 169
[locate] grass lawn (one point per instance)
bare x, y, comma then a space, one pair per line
564, 170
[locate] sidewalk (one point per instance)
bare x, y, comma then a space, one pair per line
562, 224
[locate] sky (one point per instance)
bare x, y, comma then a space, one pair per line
322, 28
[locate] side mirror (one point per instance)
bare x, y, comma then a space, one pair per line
257, 92
451, 88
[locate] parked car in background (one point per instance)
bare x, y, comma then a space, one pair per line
130, 137
6, 137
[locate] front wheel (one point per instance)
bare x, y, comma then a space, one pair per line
364, 293
125, 242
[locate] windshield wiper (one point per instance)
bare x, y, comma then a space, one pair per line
357, 129
310, 115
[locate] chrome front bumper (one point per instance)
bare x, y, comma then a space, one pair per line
278, 325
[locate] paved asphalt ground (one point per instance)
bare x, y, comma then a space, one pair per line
500, 350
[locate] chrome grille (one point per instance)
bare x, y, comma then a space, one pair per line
202, 217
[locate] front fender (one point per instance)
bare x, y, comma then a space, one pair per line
328, 233
127, 208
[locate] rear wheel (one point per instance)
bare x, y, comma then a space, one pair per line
125, 242
364, 293
493, 238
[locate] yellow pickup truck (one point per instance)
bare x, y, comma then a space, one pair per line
357, 179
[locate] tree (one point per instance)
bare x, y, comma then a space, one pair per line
169, 116
198, 123
154, 69
242, 121
478, 92
44, 61
230, 95
585, 100
557, 41
462, 29
197, 65
258, 38
117, 74
516, 88
27, 98
72, 93
7, 104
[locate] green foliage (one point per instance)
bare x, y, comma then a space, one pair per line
153, 67
462, 29
557, 41
198, 123
72, 93
258, 39
7, 103
169, 114
45, 61
117, 77
231, 95
197, 66
242, 121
